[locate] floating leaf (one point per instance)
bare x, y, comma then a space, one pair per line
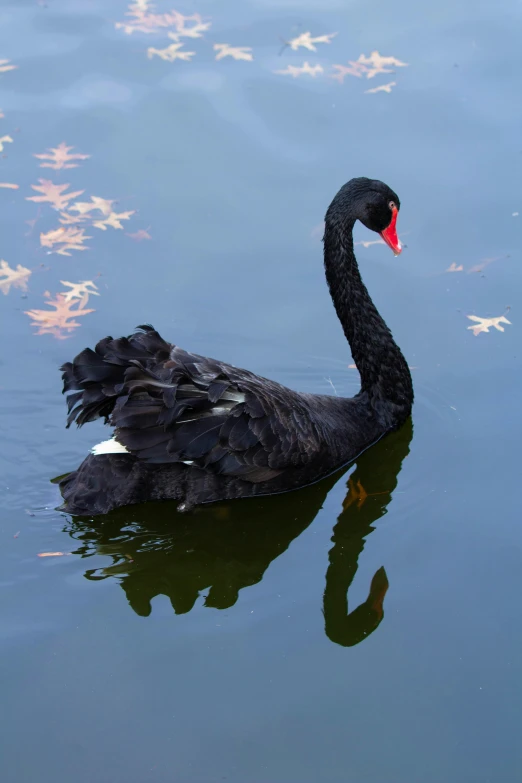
485, 262
144, 20
352, 69
10, 185
483, 324
307, 42
13, 277
454, 268
81, 291
140, 235
383, 87
60, 158
104, 205
4, 66
57, 321
190, 32
295, 71
5, 140
54, 194
237, 52
53, 554
170, 53
70, 238
113, 220
377, 63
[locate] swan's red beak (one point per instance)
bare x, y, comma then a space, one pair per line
390, 234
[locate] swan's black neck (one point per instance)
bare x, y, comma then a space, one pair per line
385, 377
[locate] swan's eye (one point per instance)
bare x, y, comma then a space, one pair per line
392, 205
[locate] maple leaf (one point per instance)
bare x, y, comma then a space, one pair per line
13, 277
140, 235
352, 69
53, 193
5, 140
170, 53
4, 66
307, 42
237, 52
454, 268
104, 205
59, 157
80, 291
113, 220
483, 324
70, 238
57, 321
383, 87
378, 62
10, 185
295, 71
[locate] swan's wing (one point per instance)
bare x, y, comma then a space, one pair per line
168, 405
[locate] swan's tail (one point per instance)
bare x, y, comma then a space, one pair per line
94, 379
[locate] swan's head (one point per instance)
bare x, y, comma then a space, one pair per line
373, 203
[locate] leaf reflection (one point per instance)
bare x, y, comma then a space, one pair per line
223, 548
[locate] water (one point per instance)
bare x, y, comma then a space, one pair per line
367, 628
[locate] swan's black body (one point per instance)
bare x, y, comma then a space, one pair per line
242, 435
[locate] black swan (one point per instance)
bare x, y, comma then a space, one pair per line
192, 429
225, 548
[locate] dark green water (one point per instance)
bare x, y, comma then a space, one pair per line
247, 642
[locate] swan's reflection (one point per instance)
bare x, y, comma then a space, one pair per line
224, 548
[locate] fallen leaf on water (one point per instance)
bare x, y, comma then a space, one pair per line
113, 220
5, 66
295, 71
484, 263
195, 31
81, 291
66, 219
357, 494
69, 238
16, 534
140, 235
144, 20
52, 193
454, 268
104, 205
60, 158
483, 324
10, 185
53, 554
57, 321
352, 69
383, 87
307, 42
377, 63
13, 277
237, 52
170, 53
5, 140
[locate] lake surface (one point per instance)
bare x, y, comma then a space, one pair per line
366, 629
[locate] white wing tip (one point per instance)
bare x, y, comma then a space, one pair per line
109, 447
